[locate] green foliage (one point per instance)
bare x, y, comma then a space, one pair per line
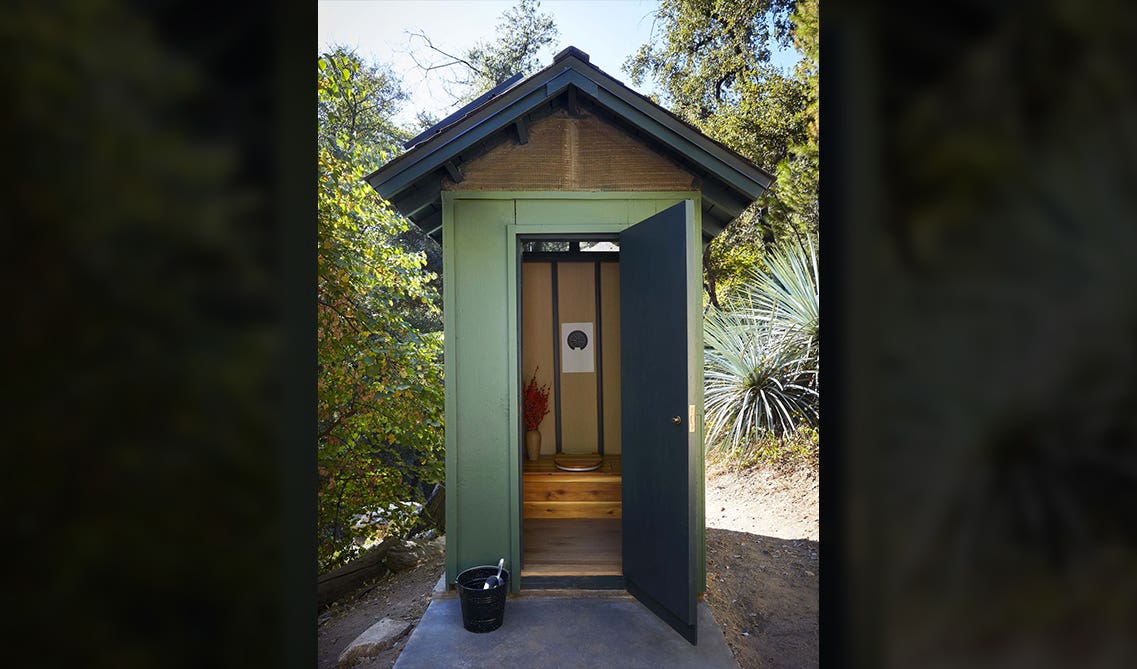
521, 34
793, 203
787, 295
379, 384
354, 115
787, 452
761, 355
712, 65
358, 101
710, 51
756, 380
806, 24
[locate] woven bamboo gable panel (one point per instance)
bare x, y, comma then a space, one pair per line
567, 153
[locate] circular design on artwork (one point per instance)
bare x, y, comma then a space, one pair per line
577, 340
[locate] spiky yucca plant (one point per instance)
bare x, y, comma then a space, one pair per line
786, 296
761, 354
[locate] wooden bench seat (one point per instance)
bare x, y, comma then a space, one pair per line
547, 492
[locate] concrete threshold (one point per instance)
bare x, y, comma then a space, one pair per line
569, 593
565, 629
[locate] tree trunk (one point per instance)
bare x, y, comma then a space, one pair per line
432, 514
710, 281
346, 579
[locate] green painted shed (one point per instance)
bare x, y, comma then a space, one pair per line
572, 213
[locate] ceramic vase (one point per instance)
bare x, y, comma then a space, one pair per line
533, 445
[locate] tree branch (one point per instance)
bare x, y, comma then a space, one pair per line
341, 314
454, 60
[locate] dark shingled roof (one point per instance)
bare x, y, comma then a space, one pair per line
412, 181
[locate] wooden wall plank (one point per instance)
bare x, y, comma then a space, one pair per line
576, 288
610, 339
537, 339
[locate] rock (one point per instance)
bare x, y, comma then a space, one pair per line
374, 640
403, 556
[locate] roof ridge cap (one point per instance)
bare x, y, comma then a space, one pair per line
570, 51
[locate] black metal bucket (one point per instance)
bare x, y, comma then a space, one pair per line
482, 610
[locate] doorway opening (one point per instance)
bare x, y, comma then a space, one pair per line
571, 519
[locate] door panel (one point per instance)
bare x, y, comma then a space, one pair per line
659, 486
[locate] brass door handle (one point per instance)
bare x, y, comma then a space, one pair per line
677, 420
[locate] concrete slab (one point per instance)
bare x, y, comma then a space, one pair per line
563, 632
440, 589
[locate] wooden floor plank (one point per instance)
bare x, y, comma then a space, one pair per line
574, 547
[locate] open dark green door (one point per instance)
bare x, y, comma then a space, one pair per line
659, 445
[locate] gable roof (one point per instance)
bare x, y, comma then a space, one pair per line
412, 182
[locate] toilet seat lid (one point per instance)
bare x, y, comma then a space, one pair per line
578, 462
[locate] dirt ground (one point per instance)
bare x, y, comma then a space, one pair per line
402, 596
762, 564
762, 567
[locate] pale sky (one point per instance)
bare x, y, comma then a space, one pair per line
607, 30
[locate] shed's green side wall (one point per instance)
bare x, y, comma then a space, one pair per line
480, 284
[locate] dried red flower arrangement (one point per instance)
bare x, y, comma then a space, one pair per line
536, 403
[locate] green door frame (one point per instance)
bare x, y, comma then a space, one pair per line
549, 213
